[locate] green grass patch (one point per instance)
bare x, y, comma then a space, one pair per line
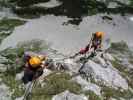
121, 47
56, 83
126, 73
109, 92
15, 86
4, 3
131, 3
42, 97
3, 35
7, 26
117, 64
131, 61
92, 96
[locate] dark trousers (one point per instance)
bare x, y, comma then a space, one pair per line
30, 75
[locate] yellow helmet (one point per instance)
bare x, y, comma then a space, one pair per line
35, 61
99, 34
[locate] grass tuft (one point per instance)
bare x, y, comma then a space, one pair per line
56, 83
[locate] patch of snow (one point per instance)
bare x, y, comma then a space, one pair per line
50, 4
108, 76
69, 96
87, 85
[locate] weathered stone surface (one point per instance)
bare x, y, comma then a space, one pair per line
69, 96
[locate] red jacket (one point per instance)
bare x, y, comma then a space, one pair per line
95, 43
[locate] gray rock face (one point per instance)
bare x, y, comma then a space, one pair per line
86, 86
71, 65
108, 76
69, 96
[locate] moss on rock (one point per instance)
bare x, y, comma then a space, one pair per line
109, 92
56, 83
7, 26
92, 96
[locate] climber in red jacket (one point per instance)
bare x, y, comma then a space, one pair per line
95, 43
